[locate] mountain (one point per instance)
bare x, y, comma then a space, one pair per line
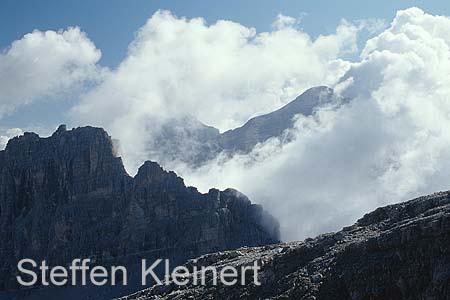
184, 139
397, 252
274, 124
192, 142
68, 196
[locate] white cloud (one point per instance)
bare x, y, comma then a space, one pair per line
389, 144
223, 74
42, 64
7, 135
283, 22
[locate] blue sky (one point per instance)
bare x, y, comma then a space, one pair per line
111, 24
389, 144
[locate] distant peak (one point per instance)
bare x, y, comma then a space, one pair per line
61, 128
318, 90
150, 167
152, 173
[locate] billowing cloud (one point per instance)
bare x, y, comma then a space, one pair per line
222, 74
389, 144
43, 64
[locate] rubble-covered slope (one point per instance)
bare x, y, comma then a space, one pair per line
397, 252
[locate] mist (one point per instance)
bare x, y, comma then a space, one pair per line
388, 143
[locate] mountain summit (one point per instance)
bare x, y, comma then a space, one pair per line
192, 142
260, 129
68, 196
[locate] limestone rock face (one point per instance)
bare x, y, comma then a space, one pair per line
69, 196
398, 252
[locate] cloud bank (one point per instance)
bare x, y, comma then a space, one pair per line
222, 74
388, 144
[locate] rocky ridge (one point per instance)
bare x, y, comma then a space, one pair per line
396, 252
189, 141
274, 124
69, 196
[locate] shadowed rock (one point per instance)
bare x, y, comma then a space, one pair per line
397, 252
68, 196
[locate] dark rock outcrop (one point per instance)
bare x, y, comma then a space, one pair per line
398, 252
69, 196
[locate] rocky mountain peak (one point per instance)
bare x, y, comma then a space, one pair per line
150, 169
68, 196
275, 124
152, 174
309, 101
316, 90
187, 140
61, 128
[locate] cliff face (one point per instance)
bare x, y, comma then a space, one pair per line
396, 252
69, 196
